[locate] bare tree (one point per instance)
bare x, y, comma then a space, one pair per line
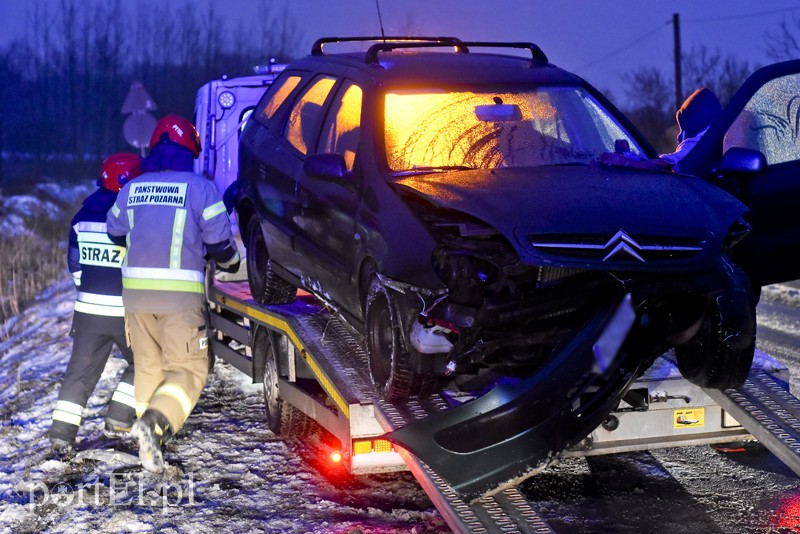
649, 90
72, 71
784, 41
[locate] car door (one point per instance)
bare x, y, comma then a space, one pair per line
763, 116
327, 204
268, 164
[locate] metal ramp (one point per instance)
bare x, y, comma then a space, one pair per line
507, 511
765, 407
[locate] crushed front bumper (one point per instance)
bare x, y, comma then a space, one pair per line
518, 429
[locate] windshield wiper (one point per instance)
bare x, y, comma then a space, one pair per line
423, 169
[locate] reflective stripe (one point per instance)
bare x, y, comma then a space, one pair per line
177, 239
125, 388
89, 226
96, 298
130, 219
64, 417
179, 395
99, 309
163, 285
69, 407
97, 304
68, 412
141, 407
162, 273
94, 237
115, 210
76, 277
124, 397
214, 210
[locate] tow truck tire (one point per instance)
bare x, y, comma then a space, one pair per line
721, 354
389, 316
266, 287
283, 419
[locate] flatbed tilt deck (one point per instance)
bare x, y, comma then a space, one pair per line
313, 366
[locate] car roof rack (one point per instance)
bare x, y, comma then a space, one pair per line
319, 44
462, 46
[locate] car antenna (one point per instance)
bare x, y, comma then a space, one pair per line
380, 20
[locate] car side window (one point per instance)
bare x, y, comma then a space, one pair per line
306, 114
770, 121
276, 95
340, 134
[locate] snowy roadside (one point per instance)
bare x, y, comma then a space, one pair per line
229, 472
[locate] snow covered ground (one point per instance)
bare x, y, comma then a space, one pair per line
229, 473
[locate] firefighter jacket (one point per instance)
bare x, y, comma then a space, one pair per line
171, 220
95, 262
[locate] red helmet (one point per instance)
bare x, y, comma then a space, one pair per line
119, 169
178, 130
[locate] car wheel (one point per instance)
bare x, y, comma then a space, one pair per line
266, 287
283, 419
389, 316
721, 354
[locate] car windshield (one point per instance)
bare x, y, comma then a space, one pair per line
428, 130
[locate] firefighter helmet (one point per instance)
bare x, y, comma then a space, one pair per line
119, 169
177, 130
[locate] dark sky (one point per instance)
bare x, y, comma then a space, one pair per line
598, 40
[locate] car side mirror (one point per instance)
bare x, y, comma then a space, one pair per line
740, 160
327, 167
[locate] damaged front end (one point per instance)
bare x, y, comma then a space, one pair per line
521, 425
543, 353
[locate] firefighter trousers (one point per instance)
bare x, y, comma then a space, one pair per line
171, 355
90, 352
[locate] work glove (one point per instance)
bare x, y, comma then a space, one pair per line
229, 268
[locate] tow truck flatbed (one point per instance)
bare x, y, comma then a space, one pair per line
662, 409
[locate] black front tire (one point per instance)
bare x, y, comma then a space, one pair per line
389, 316
266, 287
721, 354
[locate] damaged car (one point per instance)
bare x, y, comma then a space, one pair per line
491, 224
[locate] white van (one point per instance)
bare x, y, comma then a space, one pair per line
221, 109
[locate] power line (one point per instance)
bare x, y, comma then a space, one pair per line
625, 47
747, 15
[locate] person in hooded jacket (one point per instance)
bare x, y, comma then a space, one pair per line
171, 219
98, 322
694, 117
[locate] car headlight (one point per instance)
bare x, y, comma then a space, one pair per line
738, 231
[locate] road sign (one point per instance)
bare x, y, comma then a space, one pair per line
138, 100
138, 128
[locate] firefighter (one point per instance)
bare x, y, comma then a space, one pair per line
171, 218
98, 322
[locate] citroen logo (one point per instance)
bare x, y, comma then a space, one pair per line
618, 244
622, 242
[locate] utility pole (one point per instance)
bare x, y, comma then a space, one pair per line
676, 32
